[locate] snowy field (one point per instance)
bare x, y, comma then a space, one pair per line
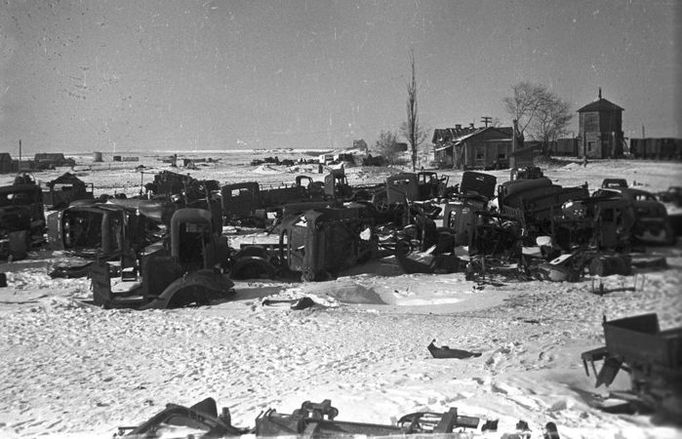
72, 370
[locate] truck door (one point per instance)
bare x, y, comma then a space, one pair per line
55, 235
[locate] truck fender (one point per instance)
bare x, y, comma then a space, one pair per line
199, 287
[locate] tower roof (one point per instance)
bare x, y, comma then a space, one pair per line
600, 105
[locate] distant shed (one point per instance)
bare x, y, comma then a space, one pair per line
5, 163
47, 160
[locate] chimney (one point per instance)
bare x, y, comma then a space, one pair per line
458, 126
599, 92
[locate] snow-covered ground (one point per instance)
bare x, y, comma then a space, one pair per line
69, 369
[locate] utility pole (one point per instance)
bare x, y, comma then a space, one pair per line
512, 155
486, 120
19, 164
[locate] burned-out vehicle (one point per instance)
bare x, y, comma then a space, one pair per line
248, 203
431, 185
421, 186
167, 183
336, 185
473, 224
321, 243
337, 188
537, 203
602, 223
186, 268
461, 213
402, 188
652, 357
65, 189
92, 229
22, 218
240, 201
652, 225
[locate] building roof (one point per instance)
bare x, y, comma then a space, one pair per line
506, 134
600, 104
447, 135
66, 178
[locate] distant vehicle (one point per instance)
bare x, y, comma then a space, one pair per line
652, 225
431, 185
498, 164
527, 173
614, 183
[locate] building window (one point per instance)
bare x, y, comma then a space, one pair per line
589, 146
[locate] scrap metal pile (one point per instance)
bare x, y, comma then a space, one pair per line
312, 420
529, 228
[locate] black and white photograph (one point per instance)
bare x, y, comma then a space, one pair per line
340, 218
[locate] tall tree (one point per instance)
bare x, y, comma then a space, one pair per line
540, 113
411, 128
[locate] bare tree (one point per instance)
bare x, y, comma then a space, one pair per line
387, 146
540, 113
411, 128
551, 122
525, 102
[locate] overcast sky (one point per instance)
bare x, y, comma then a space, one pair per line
130, 75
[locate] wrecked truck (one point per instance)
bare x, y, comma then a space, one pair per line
537, 203
320, 243
248, 203
168, 183
22, 218
186, 268
652, 225
91, 229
